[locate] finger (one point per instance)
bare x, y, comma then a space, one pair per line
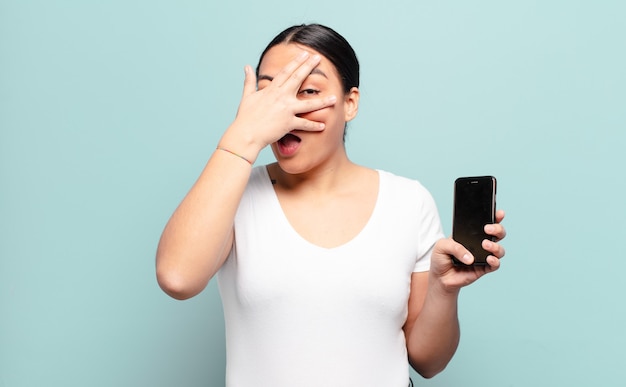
249, 83
494, 248
496, 230
452, 248
286, 72
493, 262
500, 216
302, 72
308, 125
312, 105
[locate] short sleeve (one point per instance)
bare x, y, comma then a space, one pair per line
429, 229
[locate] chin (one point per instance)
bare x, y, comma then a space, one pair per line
291, 166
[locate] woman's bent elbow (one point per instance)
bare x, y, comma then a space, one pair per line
428, 368
427, 374
176, 285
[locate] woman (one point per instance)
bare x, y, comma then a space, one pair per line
331, 274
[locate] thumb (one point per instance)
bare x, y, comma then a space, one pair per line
249, 84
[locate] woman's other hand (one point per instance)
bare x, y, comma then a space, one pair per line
451, 278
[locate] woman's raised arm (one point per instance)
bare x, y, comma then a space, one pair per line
199, 235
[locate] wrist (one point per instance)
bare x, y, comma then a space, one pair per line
239, 144
438, 288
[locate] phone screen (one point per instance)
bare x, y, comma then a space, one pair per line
474, 207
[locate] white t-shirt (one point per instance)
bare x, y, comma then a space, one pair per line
302, 315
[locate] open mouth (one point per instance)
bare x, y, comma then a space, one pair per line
288, 144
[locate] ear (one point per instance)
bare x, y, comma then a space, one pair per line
351, 103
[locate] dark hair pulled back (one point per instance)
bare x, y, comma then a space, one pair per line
327, 42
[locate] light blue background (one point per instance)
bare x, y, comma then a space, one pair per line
109, 110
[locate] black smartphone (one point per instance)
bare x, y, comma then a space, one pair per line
474, 207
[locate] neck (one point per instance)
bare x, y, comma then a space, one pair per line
323, 179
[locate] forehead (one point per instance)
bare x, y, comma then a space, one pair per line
280, 55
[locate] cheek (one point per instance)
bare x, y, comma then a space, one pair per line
314, 116
322, 115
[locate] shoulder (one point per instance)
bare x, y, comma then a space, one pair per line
258, 179
259, 172
400, 185
408, 197
258, 186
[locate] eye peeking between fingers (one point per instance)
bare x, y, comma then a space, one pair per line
308, 92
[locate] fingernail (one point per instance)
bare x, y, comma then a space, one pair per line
332, 99
468, 259
489, 228
303, 54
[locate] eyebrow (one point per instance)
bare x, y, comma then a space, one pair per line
270, 78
